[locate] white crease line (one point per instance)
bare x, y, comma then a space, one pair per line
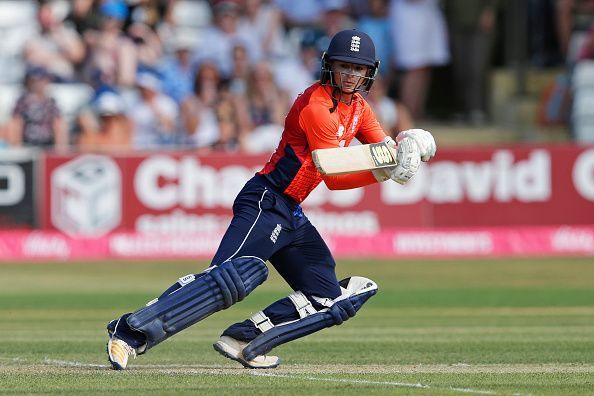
54, 362
67, 363
368, 382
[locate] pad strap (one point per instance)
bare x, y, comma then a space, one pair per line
302, 304
261, 321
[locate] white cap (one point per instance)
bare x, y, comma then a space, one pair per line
148, 80
109, 103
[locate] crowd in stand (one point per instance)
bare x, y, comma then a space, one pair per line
221, 74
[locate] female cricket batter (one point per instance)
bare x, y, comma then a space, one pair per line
269, 225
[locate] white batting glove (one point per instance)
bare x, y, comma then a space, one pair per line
408, 156
424, 139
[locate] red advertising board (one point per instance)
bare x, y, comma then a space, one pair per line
181, 192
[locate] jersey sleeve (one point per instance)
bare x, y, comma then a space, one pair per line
346, 182
370, 130
320, 129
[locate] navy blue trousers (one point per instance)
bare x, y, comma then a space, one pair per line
271, 226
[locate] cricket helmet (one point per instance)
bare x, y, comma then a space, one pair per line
352, 46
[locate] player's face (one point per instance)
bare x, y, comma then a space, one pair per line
349, 76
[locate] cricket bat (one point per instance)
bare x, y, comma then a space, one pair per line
353, 159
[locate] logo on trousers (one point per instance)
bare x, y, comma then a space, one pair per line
275, 233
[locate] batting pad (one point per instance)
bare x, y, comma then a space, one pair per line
215, 289
358, 291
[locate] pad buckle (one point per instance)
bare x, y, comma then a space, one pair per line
262, 321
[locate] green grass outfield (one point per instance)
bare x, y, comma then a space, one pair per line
436, 327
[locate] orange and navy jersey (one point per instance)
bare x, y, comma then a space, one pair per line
311, 125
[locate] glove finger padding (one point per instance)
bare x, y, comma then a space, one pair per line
342, 310
424, 140
409, 159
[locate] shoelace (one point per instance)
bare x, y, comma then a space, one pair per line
131, 351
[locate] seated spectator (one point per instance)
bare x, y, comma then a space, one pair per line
264, 20
266, 102
303, 13
336, 17
148, 45
111, 53
57, 48
154, 115
36, 119
148, 12
84, 15
240, 73
177, 72
106, 127
219, 40
295, 74
212, 117
268, 105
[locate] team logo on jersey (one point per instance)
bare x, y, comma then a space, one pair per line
355, 43
340, 131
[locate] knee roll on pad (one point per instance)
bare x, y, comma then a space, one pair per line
356, 291
215, 289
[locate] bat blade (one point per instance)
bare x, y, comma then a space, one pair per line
353, 159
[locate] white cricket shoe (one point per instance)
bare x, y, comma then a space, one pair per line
232, 349
119, 352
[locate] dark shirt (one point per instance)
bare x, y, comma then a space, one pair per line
38, 114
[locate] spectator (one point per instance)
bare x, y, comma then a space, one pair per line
335, 18
84, 15
112, 55
377, 25
573, 19
471, 24
154, 115
265, 22
241, 71
302, 13
420, 43
106, 127
218, 40
212, 117
177, 71
295, 74
267, 103
58, 48
148, 12
148, 45
36, 119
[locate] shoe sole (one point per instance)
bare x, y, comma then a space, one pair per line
114, 365
245, 364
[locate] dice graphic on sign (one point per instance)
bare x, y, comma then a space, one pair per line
86, 196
